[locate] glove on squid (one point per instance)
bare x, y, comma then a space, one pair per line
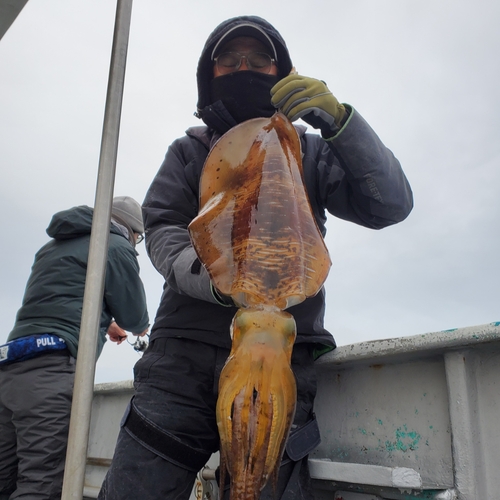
310, 99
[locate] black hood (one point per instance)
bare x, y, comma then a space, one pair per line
205, 65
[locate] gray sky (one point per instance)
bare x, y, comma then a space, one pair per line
423, 73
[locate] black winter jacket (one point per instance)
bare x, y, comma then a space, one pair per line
354, 177
53, 299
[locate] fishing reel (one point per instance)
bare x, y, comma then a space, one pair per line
140, 345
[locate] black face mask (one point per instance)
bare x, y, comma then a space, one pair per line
244, 94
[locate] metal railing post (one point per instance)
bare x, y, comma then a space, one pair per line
74, 474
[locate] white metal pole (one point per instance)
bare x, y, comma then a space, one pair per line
74, 474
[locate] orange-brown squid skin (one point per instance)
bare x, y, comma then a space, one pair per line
257, 237
256, 403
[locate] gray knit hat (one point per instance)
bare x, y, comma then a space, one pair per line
128, 210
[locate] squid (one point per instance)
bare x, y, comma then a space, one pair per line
257, 237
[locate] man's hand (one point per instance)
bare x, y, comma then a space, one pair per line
142, 333
116, 334
298, 96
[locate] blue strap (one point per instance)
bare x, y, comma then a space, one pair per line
30, 347
303, 440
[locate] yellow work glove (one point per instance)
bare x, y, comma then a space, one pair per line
298, 96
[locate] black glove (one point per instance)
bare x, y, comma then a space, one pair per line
221, 299
298, 96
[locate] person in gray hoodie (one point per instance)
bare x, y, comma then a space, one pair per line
170, 431
37, 364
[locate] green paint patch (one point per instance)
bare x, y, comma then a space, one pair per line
405, 440
380, 422
363, 431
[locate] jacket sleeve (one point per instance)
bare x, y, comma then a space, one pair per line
124, 292
360, 180
171, 203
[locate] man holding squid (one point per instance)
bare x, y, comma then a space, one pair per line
170, 429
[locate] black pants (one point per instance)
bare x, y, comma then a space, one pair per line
176, 385
35, 408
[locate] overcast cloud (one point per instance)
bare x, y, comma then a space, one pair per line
423, 73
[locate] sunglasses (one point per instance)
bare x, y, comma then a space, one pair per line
229, 62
